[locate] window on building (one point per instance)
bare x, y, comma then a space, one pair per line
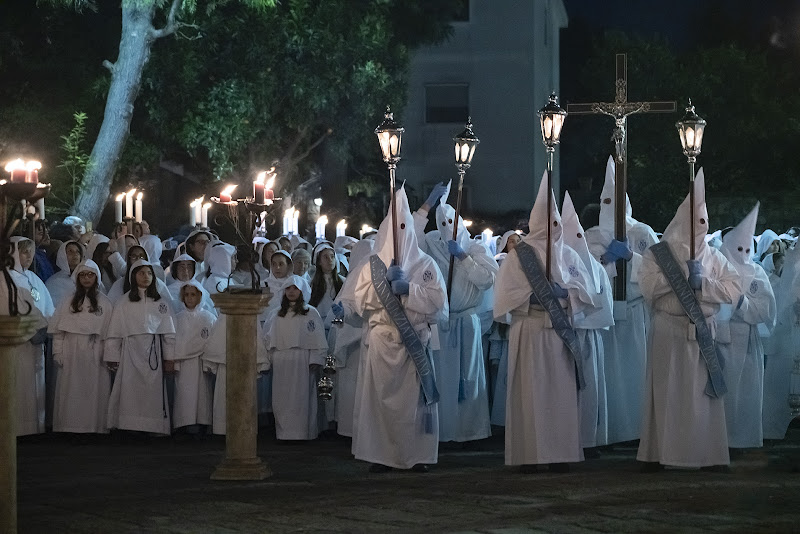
446, 103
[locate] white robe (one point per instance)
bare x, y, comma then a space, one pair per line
84, 383
193, 395
459, 360
140, 337
390, 411
30, 395
295, 342
681, 425
345, 342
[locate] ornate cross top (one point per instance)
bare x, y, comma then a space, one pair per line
620, 109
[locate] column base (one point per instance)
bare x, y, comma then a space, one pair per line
249, 469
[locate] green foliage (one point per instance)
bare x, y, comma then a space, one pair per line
75, 159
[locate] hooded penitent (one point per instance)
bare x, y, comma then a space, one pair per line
608, 205
445, 221
678, 231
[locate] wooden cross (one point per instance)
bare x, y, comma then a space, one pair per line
620, 109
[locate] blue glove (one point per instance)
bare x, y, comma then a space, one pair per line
436, 194
338, 310
394, 272
456, 250
559, 291
400, 287
620, 249
695, 274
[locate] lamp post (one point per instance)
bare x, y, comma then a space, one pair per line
390, 137
551, 119
465, 144
690, 128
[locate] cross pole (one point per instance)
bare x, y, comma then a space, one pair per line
620, 109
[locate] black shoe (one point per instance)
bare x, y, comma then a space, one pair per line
651, 467
420, 468
528, 469
379, 468
559, 468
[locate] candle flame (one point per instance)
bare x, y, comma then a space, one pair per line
207, 205
120, 197
33, 166
342, 224
323, 219
261, 178
130, 193
270, 182
228, 189
467, 223
139, 196
15, 165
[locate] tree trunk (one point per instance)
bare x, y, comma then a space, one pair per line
126, 77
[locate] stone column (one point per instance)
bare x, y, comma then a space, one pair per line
13, 332
241, 461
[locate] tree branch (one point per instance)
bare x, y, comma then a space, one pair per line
172, 23
312, 146
289, 154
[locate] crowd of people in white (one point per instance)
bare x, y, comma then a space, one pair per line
135, 343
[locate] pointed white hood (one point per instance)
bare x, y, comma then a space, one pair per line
537, 228
575, 237
677, 232
608, 204
408, 249
737, 244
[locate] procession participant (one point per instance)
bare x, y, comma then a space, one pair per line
593, 408
60, 285
152, 244
285, 243
30, 392
140, 347
459, 360
195, 246
624, 343
42, 266
301, 261
78, 327
258, 244
298, 242
98, 250
738, 339
395, 420
280, 267
544, 355
768, 243
219, 260
193, 325
326, 282
124, 284
263, 266
181, 271
296, 350
346, 345
242, 274
780, 348
683, 416
508, 241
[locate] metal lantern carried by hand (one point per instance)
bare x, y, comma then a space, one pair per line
551, 118
390, 136
691, 128
465, 144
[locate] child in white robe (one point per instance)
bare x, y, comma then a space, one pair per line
78, 328
192, 386
296, 350
140, 347
30, 394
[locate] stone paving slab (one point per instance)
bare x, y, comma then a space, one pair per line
163, 486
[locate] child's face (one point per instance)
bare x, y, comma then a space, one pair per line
191, 297
292, 293
87, 279
280, 267
144, 277
73, 252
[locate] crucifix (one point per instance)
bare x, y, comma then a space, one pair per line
620, 109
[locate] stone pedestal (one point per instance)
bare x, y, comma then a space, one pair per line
241, 461
13, 332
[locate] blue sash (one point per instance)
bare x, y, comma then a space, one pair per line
680, 286
544, 293
411, 340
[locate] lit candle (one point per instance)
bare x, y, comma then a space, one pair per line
340, 228
225, 195
285, 222
192, 216
32, 172
259, 187
204, 217
129, 204
364, 230
295, 217
139, 207
17, 170
487, 235
40, 208
268, 193
118, 207
322, 222
198, 209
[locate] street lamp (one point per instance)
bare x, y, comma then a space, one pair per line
691, 128
390, 137
465, 144
551, 119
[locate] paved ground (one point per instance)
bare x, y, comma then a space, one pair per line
163, 486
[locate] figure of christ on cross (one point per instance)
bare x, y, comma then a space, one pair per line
620, 109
